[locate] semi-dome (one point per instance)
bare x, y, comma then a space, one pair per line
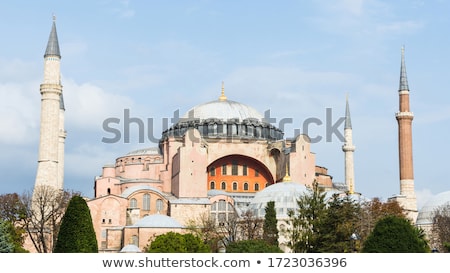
426, 213
284, 194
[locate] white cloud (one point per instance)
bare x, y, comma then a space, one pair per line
87, 105
19, 112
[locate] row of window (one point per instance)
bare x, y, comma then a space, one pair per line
234, 170
223, 186
146, 203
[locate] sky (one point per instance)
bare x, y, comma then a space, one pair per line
297, 59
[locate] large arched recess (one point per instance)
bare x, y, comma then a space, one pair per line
238, 173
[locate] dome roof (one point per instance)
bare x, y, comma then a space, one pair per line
146, 151
284, 194
130, 249
158, 221
223, 110
425, 216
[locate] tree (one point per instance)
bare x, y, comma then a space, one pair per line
206, 228
13, 213
76, 234
11, 208
338, 231
395, 234
372, 211
270, 230
306, 221
173, 242
252, 246
250, 226
441, 228
6, 242
45, 207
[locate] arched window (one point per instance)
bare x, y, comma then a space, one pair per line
159, 205
256, 187
212, 185
245, 186
133, 203
234, 186
134, 240
223, 186
146, 202
222, 211
234, 168
212, 171
108, 191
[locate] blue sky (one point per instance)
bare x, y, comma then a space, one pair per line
294, 58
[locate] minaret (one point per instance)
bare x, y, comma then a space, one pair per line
407, 197
348, 149
52, 134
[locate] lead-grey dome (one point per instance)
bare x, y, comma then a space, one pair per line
284, 194
426, 213
225, 118
223, 110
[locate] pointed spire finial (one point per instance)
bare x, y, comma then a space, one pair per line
222, 96
348, 120
403, 79
286, 177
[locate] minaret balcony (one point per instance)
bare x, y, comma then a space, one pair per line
404, 115
348, 148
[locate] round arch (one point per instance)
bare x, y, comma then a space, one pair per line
240, 173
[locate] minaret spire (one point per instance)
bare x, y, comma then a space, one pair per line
407, 197
403, 78
53, 45
348, 120
348, 150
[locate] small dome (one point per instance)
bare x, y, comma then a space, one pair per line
426, 213
284, 194
130, 249
223, 110
158, 221
146, 151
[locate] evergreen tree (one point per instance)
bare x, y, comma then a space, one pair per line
76, 234
252, 246
395, 234
307, 220
338, 232
6, 242
173, 242
270, 230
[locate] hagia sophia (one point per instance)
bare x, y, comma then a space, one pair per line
220, 159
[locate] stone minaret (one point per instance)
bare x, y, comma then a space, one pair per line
52, 134
407, 197
348, 149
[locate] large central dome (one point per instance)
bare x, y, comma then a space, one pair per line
225, 118
224, 110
